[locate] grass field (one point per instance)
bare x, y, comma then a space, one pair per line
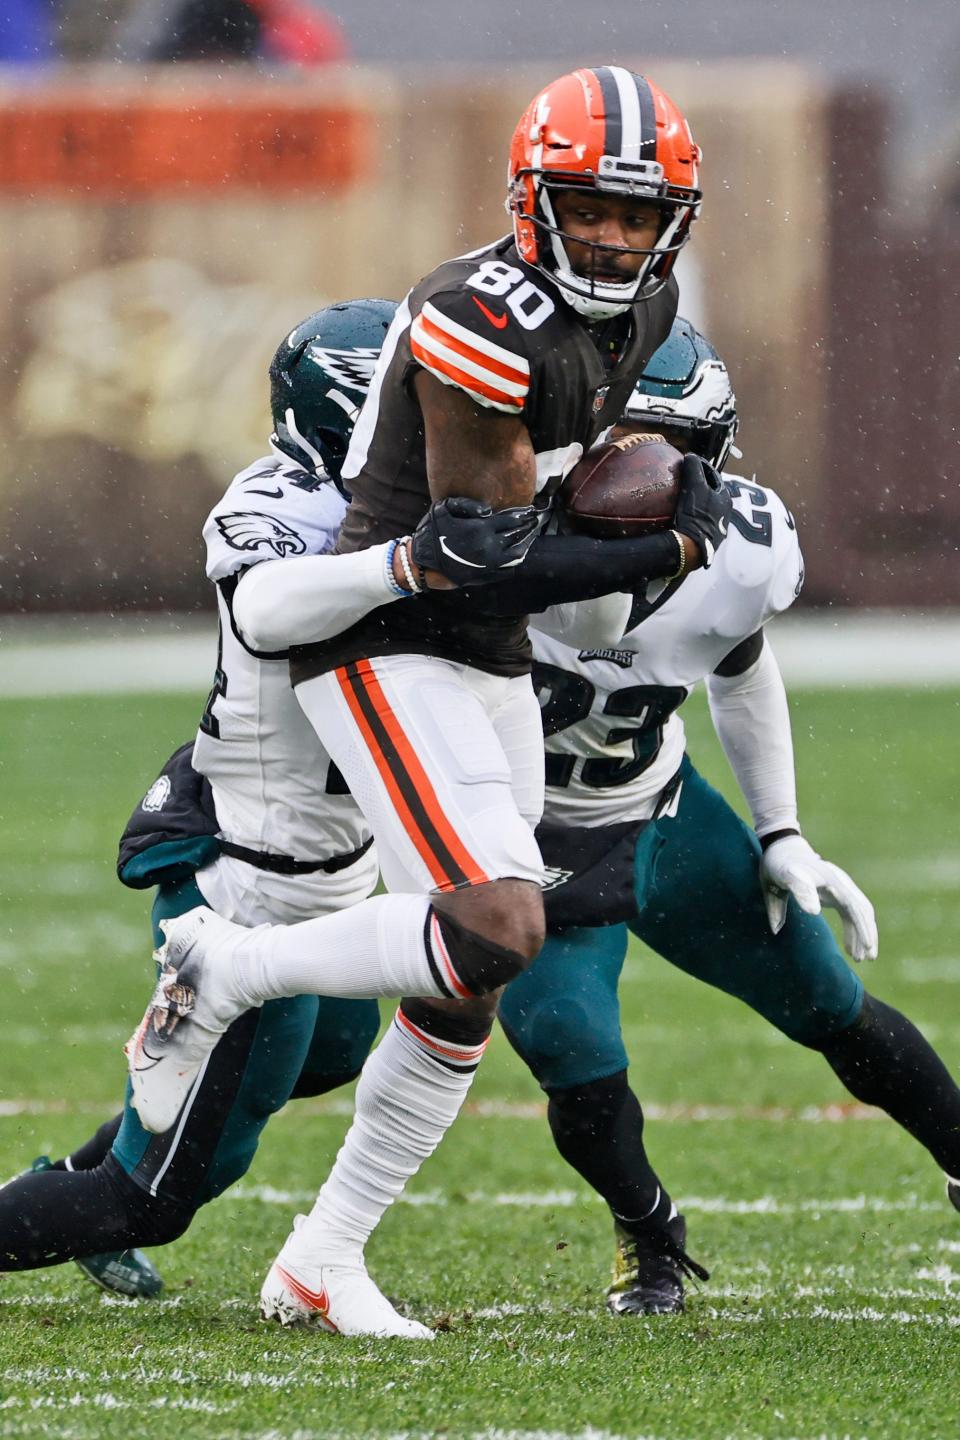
832, 1310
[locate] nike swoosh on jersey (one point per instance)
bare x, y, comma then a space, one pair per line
499, 322
269, 494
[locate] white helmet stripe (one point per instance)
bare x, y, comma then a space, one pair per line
630, 136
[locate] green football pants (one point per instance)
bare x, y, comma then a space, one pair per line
700, 907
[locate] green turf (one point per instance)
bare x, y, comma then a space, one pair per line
831, 1311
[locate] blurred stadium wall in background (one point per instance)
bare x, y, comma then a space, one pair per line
161, 227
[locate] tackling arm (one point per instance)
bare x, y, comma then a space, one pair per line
280, 603
303, 600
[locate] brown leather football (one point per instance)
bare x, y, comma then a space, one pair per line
626, 488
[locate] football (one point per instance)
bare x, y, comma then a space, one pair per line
624, 489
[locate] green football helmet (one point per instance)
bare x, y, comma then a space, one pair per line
685, 388
319, 379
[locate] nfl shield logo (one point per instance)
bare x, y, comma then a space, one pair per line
600, 399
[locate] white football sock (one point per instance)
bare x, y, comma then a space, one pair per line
410, 1093
375, 948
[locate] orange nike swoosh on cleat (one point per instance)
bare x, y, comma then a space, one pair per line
318, 1300
499, 322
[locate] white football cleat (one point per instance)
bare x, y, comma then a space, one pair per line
338, 1298
192, 1006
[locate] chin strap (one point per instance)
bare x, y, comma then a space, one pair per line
586, 302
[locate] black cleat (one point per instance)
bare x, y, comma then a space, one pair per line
953, 1192
649, 1269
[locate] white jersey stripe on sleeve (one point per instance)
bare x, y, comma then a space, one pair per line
455, 359
486, 379
477, 389
459, 336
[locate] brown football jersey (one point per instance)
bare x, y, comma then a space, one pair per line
499, 330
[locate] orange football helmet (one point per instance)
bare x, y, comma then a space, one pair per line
614, 132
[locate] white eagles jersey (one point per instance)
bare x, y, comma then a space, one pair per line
274, 785
612, 735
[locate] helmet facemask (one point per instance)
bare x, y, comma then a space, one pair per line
318, 451
601, 299
712, 440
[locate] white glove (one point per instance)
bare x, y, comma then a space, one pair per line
791, 866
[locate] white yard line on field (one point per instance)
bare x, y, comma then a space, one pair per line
678, 1113
566, 1199
849, 1305
786, 1291
932, 970
588, 1434
84, 655
106, 1400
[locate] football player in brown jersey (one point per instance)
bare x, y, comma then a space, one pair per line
500, 370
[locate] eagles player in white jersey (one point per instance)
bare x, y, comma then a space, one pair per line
261, 828
635, 834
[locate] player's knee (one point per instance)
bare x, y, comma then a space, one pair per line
506, 917
514, 918
482, 965
824, 1000
562, 1039
153, 1220
831, 1029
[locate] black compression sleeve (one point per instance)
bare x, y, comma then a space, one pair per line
598, 1129
884, 1060
559, 569
55, 1215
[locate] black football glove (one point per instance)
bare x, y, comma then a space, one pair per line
703, 507
472, 544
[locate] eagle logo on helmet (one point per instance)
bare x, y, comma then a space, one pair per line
250, 530
353, 368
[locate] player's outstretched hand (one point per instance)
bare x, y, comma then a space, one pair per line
472, 544
792, 867
703, 507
